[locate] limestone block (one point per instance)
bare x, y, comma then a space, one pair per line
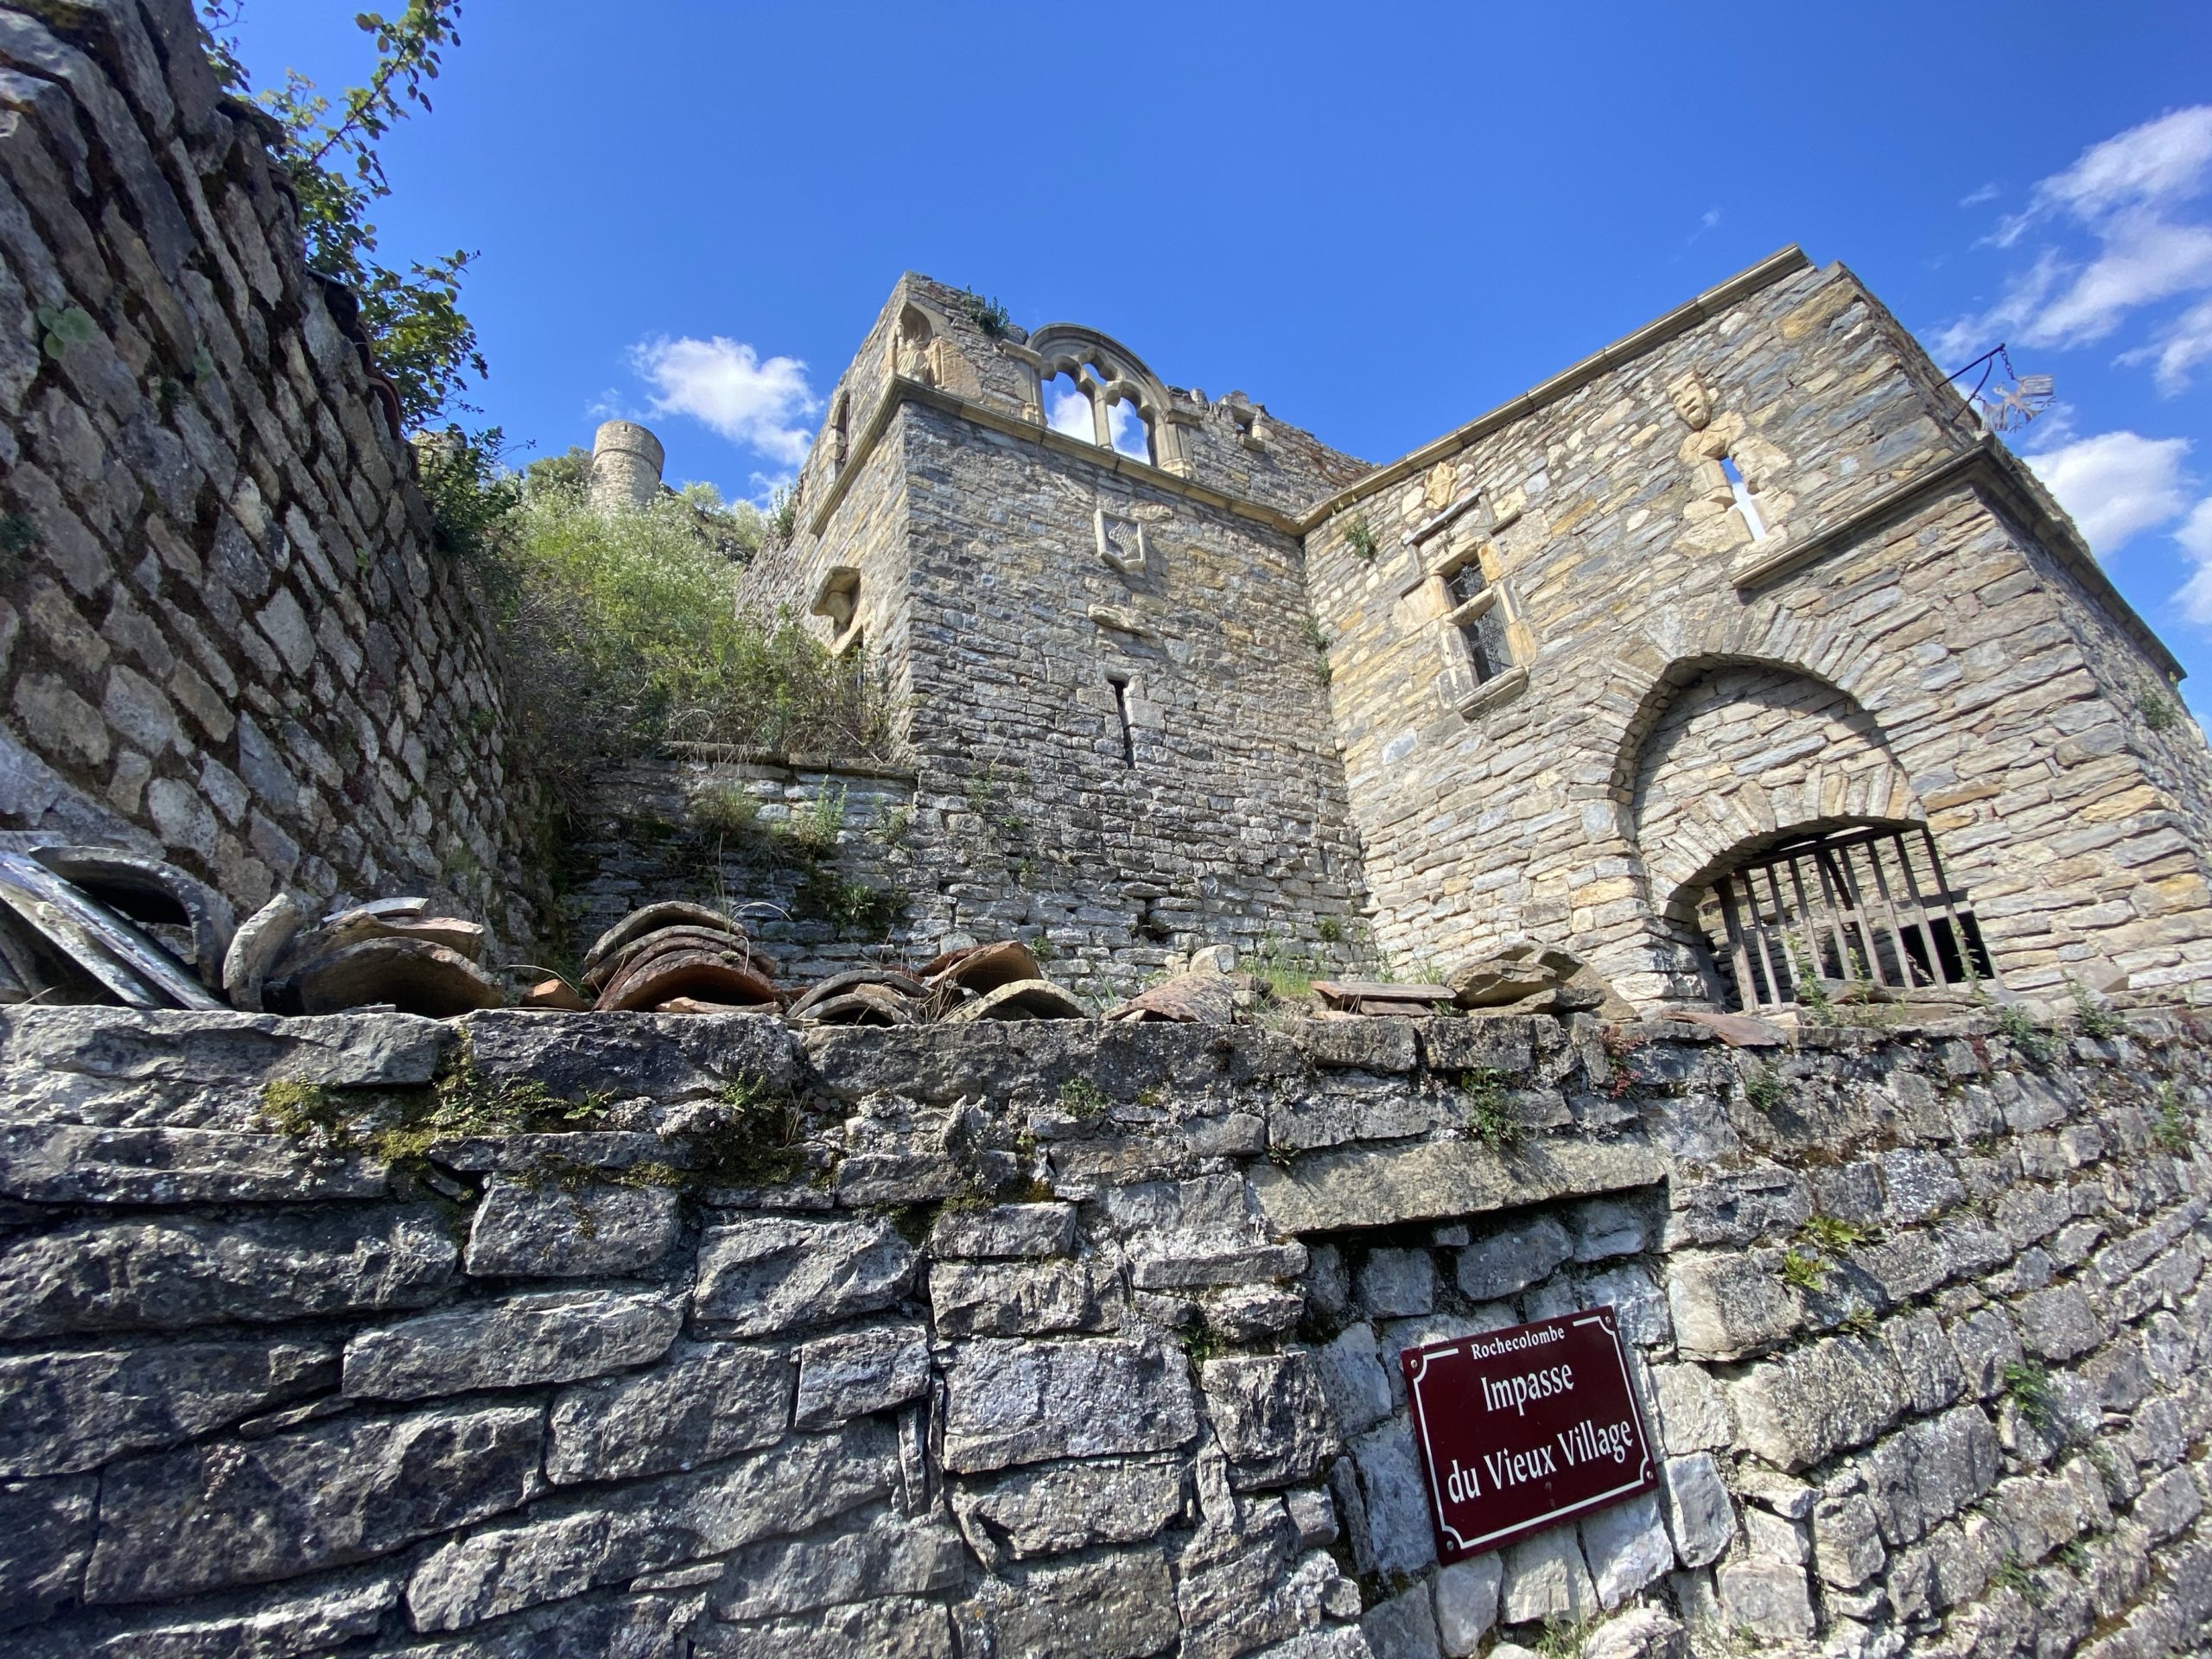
1512, 1259
1699, 1511
1727, 1305
1395, 1505
1643, 1633
1737, 1206
1606, 1228
1545, 1580
1012, 1229
1352, 1378
1271, 1417
1635, 1296
1986, 1343
1846, 1542
308, 1617
1767, 1599
885, 1555
770, 1272
857, 1372
1919, 1186
70, 1163
1816, 1402
1013, 1299
1231, 1604
1626, 1546
704, 1401
1930, 1469
1118, 1607
1244, 1315
46, 1533
1925, 1361
1012, 1402
1375, 1044
1394, 1284
73, 1410
2058, 1323
1055, 1507
1329, 1192
890, 1627
555, 1336
1692, 1409
1182, 1261
177, 1522
1404, 1627
561, 1550
666, 1056
1313, 1516
526, 1228
185, 1270
1466, 1603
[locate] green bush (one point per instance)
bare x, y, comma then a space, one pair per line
621, 630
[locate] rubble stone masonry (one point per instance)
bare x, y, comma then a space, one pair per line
1053, 1338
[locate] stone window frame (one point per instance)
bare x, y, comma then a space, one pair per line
1460, 684
1106, 372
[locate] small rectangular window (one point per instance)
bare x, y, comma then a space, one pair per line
1122, 710
1465, 583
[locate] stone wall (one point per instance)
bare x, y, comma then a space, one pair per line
1913, 577
1051, 1338
225, 635
679, 826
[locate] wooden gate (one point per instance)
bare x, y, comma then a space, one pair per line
1852, 907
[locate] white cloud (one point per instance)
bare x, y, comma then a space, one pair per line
2124, 231
1068, 411
1987, 193
2116, 485
725, 384
2195, 595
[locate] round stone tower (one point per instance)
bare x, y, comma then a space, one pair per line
626, 463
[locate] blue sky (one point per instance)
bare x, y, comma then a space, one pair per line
1378, 221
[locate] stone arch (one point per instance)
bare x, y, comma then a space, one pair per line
1744, 750
1109, 374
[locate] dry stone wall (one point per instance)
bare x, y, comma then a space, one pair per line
225, 635
814, 854
1049, 1337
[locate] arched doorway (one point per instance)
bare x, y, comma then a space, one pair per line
1782, 845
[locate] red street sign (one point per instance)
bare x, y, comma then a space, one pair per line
1526, 1427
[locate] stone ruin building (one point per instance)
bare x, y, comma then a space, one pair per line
1741, 626
1735, 667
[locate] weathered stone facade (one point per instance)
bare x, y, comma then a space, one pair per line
225, 635
1572, 669
1056, 1338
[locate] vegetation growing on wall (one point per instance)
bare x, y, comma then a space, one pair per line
620, 629
417, 333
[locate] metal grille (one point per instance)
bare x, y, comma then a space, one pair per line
1856, 907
